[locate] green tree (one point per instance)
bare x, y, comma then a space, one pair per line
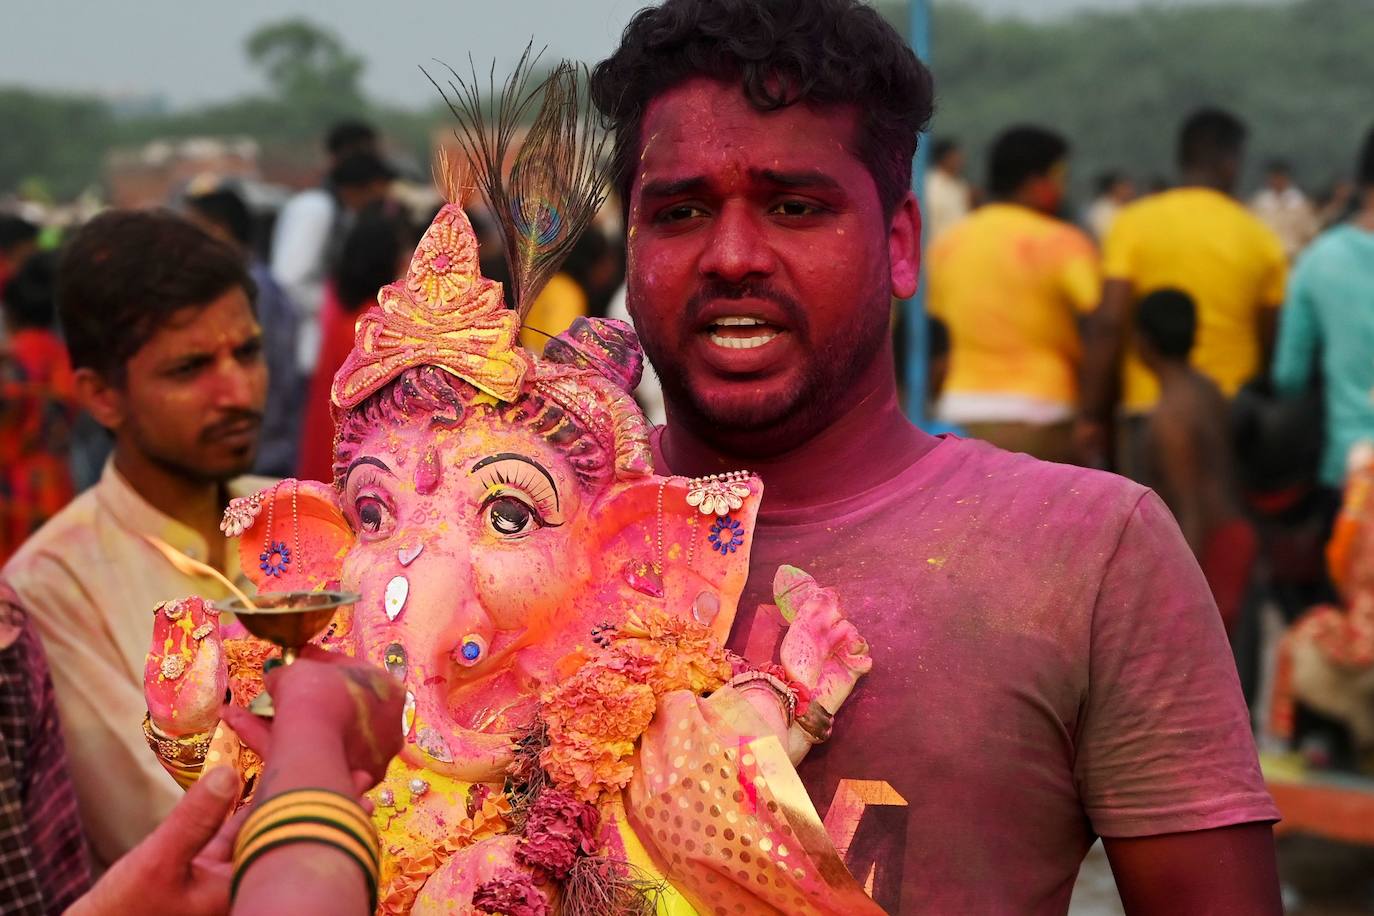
53, 141
1117, 84
307, 67
313, 80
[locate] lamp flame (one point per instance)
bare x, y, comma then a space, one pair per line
192, 567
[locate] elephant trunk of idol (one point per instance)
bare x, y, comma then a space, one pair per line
436, 656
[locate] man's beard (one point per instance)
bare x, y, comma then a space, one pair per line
174, 460
815, 398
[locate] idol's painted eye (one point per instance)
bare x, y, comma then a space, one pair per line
510, 517
510, 477
372, 511
373, 514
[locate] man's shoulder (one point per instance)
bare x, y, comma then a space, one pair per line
1263, 234
1068, 238
1334, 245
310, 205
55, 558
69, 533
1184, 201
309, 199
1143, 208
1064, 494
973, 225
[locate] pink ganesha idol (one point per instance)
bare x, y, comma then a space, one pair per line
576, 738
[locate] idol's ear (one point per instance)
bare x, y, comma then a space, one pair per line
685, 542
293, 536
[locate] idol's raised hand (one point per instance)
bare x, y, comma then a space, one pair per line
822, 650
185, 677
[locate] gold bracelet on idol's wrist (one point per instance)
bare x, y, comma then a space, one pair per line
786, 695
817, 723
318, 816
188, 751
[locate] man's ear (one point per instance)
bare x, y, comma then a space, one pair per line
104, 401
904, 247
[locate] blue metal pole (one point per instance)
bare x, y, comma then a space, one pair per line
916, 348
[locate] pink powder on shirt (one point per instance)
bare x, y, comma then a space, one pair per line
1048, 667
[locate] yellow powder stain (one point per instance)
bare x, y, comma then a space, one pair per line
937, 562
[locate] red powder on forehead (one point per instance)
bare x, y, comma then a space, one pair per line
429, 473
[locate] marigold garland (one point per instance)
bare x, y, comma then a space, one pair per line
595, 716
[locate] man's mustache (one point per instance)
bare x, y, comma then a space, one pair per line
714, 290
231, 422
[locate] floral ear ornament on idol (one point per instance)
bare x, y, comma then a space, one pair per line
292, 536
693, 562
276, 556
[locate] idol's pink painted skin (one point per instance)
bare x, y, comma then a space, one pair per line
491, 522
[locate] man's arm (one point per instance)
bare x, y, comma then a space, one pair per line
1227, 870
1104, 337
1296, 348
1182, 487
1164, 756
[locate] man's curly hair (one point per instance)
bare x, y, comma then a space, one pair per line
782, 52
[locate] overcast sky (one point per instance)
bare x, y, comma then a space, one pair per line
191, 51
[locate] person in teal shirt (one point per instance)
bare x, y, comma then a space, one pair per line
1329, 319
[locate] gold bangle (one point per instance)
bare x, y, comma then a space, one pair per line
189, 750
787, 695
817, 723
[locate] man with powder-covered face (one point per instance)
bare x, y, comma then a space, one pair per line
167, 352
1048, 663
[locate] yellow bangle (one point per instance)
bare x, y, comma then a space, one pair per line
309, 816
302, 804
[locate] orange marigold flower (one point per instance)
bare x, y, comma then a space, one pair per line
601, 702
243, 657
679, 653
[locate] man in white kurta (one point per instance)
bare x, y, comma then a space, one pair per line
167, 353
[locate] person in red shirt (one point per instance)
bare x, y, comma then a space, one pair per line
374, 253
1048, 664
37, 407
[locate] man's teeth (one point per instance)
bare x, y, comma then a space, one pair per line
743, 343
761, 337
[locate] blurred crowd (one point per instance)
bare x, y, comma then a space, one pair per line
1214, 345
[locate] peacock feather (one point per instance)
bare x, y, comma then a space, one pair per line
544, 188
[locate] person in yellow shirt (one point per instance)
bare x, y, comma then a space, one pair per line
1199, 239
1010, 281
553, 311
